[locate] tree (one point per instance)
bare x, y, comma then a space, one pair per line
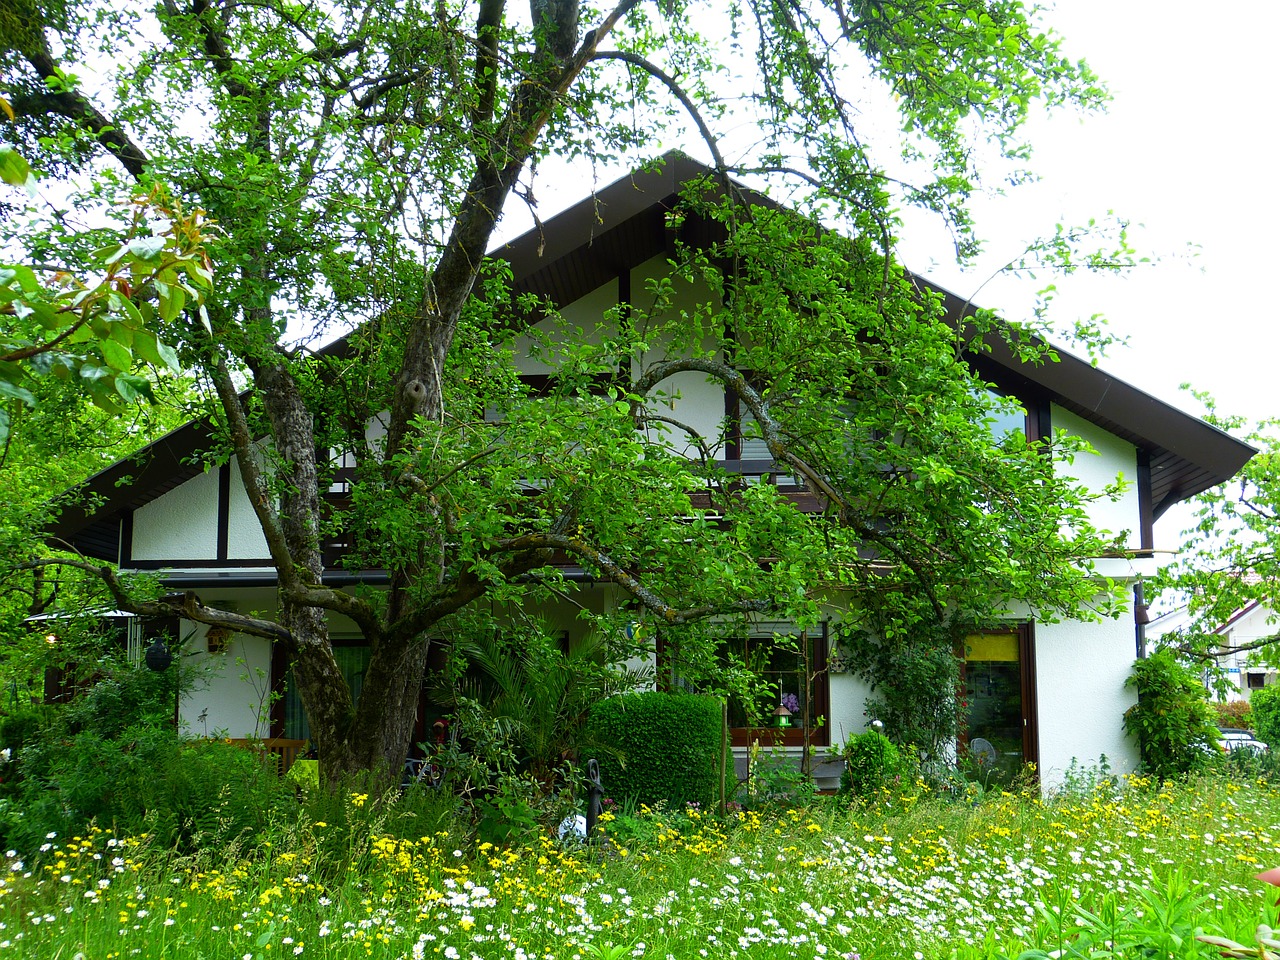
358, 157
1231, 557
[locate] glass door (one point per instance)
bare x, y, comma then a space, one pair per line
998, 735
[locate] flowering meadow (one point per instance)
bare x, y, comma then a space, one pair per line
911, 877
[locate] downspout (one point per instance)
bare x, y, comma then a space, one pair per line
1141, 617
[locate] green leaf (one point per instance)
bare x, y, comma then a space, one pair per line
146, 346
10, 389
133, 388
117, 355
14, 170
121, 334
172, 302
146, 248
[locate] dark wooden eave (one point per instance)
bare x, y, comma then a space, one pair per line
620, 227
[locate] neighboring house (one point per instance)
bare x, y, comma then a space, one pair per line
1246, 669
1052, 693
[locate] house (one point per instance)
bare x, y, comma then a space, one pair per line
1052, 693
1246, 671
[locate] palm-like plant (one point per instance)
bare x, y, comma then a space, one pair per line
531, 695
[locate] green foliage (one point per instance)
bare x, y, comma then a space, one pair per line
1171, 721
665, 748
1266, 714
775, 781
1233, 713
913, 671
94, 333
871, 764
1162, 918
1230, 557
111, 757
186, 794
527, 697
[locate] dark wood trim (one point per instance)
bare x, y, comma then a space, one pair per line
126, 539
279, 671
624, 294
1030, 707
224, 511
1039, 420
1146, 515
733, 426
541, 384
259, 563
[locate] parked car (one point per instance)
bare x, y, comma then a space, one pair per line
1233, 738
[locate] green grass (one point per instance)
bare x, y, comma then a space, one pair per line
1135, 870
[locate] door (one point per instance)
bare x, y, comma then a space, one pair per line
998, 715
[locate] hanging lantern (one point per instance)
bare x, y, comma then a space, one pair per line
782, 716
158, 656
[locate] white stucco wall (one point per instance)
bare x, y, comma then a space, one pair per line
689, 398
1080, 673
848, 694
585, 318
181, 524
1114, 457
245, 540
229, 696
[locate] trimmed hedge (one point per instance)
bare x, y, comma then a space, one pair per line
661, 748
1265, 704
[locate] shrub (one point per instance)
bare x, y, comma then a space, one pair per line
871, 762
23, 725
186, 794
1237, 713
663, 747
775, 780
1265, 704
1171, 720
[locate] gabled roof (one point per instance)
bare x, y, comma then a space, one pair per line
625, 224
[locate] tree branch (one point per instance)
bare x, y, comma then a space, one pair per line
617, 575
759, 408
686, 101
488, 25
190, 606
78, 109
250, 473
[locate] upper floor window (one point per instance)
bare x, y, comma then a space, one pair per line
1003, 417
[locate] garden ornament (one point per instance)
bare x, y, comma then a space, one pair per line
595, 796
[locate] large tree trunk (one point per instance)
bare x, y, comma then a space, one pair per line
382, 735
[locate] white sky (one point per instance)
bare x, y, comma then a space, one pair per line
1185, 150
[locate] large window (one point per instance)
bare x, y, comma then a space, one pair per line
790, 693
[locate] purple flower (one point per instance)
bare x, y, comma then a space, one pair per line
791, 702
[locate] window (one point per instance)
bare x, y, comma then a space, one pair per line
1003, 419
1256, 681
792, 666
